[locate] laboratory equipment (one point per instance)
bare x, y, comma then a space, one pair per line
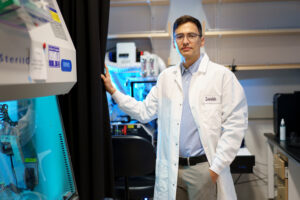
124, 76
139, 89
148, 63
134, 128
133, 73
126, 53
286, 106
119, 77
37, 61
34, 158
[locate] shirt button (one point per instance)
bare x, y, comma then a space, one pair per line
176, 144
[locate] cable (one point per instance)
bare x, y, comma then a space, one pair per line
262, 179
235, 182
13, 169
260, 172
248, 181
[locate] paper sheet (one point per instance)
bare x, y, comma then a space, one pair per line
37, 67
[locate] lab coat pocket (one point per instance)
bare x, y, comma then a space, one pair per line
211, 109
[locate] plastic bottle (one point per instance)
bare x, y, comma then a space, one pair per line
282, 130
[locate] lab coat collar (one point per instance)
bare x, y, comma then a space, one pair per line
203, 64
178, 76
194, 67
202, 69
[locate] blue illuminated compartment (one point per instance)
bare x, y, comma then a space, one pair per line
34, 161
129, 81
119, 77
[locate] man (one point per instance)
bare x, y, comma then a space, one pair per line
202, 118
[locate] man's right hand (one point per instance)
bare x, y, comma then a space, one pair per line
107, 81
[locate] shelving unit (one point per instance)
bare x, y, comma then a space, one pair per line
252, 32
140, 35
167, 34
143, 22
150, 35
265, 67
238, 1
122, 3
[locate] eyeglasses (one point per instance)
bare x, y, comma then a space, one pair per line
192, 37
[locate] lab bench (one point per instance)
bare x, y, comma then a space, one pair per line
283, 169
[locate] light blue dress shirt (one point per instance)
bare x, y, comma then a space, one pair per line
189, 140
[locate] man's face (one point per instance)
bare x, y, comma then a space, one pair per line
187, 41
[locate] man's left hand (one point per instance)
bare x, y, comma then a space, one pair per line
214, 176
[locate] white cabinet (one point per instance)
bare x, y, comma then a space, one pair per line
283, 166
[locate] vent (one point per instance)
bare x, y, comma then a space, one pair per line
67, 164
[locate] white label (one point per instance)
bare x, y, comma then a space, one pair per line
37, 67
212, 99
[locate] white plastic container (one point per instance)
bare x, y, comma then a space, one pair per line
282, 130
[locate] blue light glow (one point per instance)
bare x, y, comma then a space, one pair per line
37, 143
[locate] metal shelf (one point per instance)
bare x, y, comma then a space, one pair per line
252, 32
140, 35
124, 3
163, 34
238, 1
265, 67
167, 35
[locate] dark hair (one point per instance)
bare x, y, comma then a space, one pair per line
184, 19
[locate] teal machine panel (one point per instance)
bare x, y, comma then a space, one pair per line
34, 159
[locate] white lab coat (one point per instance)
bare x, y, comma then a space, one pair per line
219, 107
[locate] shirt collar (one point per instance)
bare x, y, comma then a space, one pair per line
194, 67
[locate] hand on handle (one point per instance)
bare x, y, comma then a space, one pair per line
107, 81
